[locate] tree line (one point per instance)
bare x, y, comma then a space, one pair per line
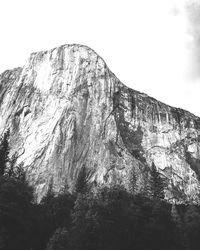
107, 219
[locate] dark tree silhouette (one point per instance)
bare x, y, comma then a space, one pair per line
15, 214
81, 185
192, 227
59, 240
157, 183
4, 153
54, 212
133, 187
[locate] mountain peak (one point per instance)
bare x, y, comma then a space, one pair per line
51, 69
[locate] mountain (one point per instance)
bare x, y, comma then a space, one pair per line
66, 110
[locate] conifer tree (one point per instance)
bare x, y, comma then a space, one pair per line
156, 183
81, 183
181, 242
4, 153
192, 227
47, 199
133, 186
176, 217
59, 240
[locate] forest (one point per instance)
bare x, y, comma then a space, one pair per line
105, 219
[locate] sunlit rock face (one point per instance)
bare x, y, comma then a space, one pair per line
65, 109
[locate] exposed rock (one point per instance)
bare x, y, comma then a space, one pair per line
66, 109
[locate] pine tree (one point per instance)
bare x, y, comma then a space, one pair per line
16, 204
47, 199
181, 242
176, 217
133, 186
81, 182
59, 240
156, 183
4, 153
192, 227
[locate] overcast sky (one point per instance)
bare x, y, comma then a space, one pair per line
151, 46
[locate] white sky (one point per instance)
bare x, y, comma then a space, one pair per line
151, 46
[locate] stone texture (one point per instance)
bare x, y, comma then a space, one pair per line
66, 109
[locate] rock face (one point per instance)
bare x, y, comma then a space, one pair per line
65, 109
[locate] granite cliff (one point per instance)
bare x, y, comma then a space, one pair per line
65, 109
